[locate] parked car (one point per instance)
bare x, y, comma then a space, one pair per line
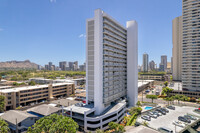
190, 117
146, 117
178, 123
165, 130
151, 114
161, 111
181, 118
156, 113
160, 114
197, 110
166, 110
171, 107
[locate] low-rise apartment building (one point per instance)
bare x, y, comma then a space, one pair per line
28, 95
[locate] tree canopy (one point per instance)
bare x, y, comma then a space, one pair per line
134, 110
166, 83
54, 124
116, 127
166, 90
3, 126
2, 103
152, 97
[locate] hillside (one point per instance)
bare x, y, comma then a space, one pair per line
17, 65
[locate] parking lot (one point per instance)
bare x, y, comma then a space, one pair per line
167, 120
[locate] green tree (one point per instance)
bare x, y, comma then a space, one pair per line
177, 97
166, 90
99, 131
152, 97
132, 120
134, 110
3, 126
116, 127
54, 124
171, 78
2, 103
169, 99
138, 103
166, 83
32, 83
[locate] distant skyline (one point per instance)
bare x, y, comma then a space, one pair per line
54, 30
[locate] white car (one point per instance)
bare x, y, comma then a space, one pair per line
178, 123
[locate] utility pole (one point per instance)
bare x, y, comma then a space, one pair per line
16, 126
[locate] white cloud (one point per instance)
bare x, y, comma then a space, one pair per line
53, 1
82, 35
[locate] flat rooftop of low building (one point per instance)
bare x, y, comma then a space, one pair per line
5, 87
31, 87
40, 78
143, 82
79, 79
65, 102
83, 94
139, 129
78, 109
88, 107
63, 80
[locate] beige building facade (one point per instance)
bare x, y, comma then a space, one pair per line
177, 48
23, 96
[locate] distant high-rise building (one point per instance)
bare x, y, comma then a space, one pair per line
75, 66
50, 65
145, 64
190, 45
82, 67
164, 61
111, 61
177, 27
63, 65
46, 67
71, 66
152, 65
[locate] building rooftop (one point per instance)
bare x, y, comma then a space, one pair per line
5, 87
44, 110
143, 82
13, 115
89, 107
30, 87
65, 102
80, 110
79, 79
83, 94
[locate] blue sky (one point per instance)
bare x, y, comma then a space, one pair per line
51, 30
